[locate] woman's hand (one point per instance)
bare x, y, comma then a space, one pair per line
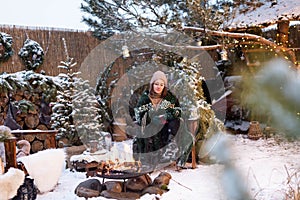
160, 119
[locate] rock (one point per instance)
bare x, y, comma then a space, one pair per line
89, 188
120, 196
162, 179
139, 183
86, 193
114, 186
152, 190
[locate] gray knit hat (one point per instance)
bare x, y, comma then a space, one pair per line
159, 75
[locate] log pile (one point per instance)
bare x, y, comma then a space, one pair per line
26, 110
25, 104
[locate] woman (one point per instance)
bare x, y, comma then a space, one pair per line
158, 113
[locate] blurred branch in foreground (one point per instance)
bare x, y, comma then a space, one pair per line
232, 181
274, 91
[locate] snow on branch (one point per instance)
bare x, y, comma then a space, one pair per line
244, 36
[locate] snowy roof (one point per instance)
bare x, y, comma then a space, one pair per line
267, 14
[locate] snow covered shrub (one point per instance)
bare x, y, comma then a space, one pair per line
76, 111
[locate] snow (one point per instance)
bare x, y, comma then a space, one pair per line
263, 166
268, 14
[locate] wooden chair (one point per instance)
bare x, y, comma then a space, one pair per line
10, 152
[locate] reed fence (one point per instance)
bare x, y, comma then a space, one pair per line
79, 44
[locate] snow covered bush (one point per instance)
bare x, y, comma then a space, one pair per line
75, 114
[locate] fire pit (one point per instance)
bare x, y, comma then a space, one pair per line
118, 174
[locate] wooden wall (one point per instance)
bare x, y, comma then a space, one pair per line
79, 45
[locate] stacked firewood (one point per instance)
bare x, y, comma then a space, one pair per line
25, 104
24, 111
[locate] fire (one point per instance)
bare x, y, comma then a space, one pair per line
106, 167
119, 159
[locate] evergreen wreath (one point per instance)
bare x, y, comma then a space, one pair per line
5, 46
32, 54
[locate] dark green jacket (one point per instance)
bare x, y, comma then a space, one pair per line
169, 107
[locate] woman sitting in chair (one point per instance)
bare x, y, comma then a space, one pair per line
158, 113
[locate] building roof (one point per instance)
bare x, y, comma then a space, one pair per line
268, 13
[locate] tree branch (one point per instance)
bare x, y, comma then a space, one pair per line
246, 36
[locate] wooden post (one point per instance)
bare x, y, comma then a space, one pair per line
10, 152
193, 126
52, 141
282, 37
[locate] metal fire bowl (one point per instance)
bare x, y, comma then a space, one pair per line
116, 174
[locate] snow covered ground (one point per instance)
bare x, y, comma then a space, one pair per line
264, 166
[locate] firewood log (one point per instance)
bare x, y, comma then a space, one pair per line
42, 127
29, 137
19, 118
37, 146
19, 92
27, 94
18, 97
21, 123
49, 143
32, 120
1, 119
41, 136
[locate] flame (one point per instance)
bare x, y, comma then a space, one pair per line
106, 167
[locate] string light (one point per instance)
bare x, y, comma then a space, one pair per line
125, 52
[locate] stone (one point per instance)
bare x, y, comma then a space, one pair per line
114, 186
86, 193
152, 190
120, 196
90, 184
162, 179
139, 183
